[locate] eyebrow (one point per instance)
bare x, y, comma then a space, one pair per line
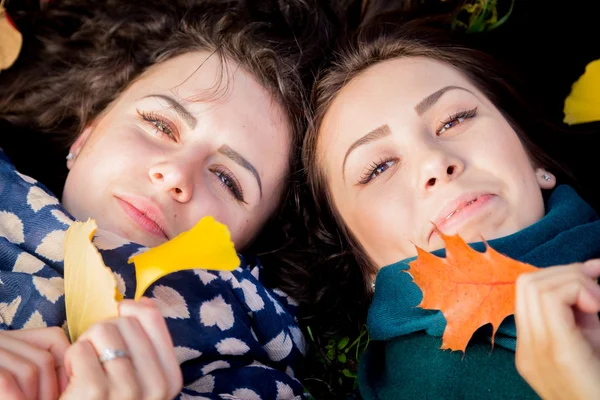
375, 134
189, 119
241, 161
430, 100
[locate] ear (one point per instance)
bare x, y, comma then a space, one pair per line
76, 147
545, 179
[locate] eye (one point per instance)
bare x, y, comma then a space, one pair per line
229, 181
456, 119
161, 125
376, 169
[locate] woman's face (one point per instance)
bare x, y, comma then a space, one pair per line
167, 153
411, 143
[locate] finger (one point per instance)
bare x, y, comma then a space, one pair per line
532, 335
545, 317
573, 357
87, 378
583, 295
556, 277
559, 312
591, 268
119, 371
152, 377
590, 329
55, 341
9, 387
530, 317
155, 327
24, 373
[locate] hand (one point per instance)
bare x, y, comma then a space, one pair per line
31, 363
558, 331
150, 371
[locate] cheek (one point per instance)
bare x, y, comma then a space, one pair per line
381, 224
244, 228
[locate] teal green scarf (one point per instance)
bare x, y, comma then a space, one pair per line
405, 360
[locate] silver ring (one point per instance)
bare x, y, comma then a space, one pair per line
110, 354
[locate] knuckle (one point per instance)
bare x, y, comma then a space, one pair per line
77, 350
100, 330
525, 280
57, 333
130, 322
46, 361
151, 313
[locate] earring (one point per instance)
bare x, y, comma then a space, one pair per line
546, 177
69, 156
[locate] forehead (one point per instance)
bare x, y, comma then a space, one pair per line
206, 80
222, 95
389, 89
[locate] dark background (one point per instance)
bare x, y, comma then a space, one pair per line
548, 43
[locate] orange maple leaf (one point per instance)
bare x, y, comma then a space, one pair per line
470, 288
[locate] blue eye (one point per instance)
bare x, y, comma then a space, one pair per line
230, 182
376, 169
455, 119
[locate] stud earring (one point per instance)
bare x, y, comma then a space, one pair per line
546, 177
69, 156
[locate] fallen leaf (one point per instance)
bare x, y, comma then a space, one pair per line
91, 293
91, 290
583, 103
470, 288
11, 41
207, 245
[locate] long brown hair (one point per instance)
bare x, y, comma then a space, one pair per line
384, 39
83, 54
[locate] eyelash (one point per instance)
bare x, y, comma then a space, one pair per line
161, 125
234, 186
459, 118
372, 171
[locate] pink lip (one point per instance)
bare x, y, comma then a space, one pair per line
145, 214
461, 209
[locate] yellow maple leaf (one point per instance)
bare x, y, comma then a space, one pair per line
207, 245
583, 103
91, 293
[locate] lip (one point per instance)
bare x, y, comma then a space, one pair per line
461, 210
145, 214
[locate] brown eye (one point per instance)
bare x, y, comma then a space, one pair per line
160, 124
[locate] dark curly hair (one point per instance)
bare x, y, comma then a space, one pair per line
341, 281
82, 54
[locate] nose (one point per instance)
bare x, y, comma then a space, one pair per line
438, 168
174, 179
